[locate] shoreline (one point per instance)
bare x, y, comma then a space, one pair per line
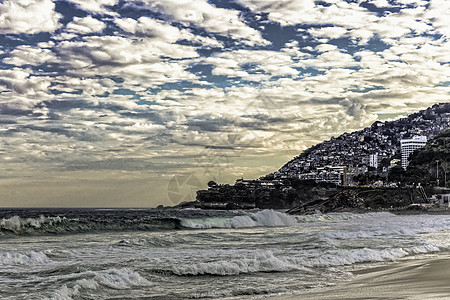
414, 278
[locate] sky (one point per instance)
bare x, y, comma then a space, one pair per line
107, 103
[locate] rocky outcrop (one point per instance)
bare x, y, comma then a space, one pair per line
360, 199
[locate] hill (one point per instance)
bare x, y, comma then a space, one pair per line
433, 160
321, 178
374, 147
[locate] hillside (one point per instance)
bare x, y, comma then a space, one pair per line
433, 160
291, 188
356, 149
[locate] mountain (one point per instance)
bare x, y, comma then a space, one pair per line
379, 143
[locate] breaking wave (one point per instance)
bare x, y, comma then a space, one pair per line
351, 256
26, 259
154, 241
55, 225
263, 262
92, 281
342, 216
268, 262
100, 221
264, 218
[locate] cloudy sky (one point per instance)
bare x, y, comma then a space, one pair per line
112, 103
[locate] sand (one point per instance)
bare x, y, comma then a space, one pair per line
410, 279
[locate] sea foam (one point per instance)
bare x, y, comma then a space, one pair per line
116, 279
264, 218
262, 262
18, 225
27, 258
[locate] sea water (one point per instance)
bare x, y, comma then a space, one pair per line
195, 254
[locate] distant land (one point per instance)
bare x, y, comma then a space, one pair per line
359, 170
381, 139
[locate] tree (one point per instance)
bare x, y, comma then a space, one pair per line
416, 174
212, 184
396, 174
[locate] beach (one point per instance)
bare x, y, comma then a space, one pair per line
426, 278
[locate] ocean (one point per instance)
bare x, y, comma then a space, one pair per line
198, 254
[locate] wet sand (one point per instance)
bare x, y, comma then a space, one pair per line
411, 279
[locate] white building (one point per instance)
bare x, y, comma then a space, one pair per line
373, 160
409, 145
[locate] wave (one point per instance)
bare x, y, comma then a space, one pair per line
27, 258
268, 262
264, 262
342, 257
264, 218
92, 281
55, 225
154, 241
119, 221
342, 216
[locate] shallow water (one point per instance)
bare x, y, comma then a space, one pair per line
129, 254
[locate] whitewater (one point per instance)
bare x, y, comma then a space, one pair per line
197, 254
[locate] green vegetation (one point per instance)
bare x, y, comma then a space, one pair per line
430, 165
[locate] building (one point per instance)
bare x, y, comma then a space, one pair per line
409, 145
373, 160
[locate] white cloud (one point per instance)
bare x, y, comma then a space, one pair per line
439, 12
138, 63
28, 55
110, 51
28, 16
156, 29
272, 63
328, 32
96, 6
216, 20
380, 3
85, 25
353, 20
21, 81
292, 12
89, 86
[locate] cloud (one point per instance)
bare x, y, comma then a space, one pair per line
29, 55
202, 14
439, 13
85, 25
28, 16
126, 57
186, 86
163, 31
291, 12
96, 6
352, 19
328, 32
253, 65
21, 81
150, 28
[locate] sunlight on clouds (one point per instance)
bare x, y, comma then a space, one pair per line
33, 16
212, 89
203, 14
85, 25
22, 82
97, 6
28, 55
